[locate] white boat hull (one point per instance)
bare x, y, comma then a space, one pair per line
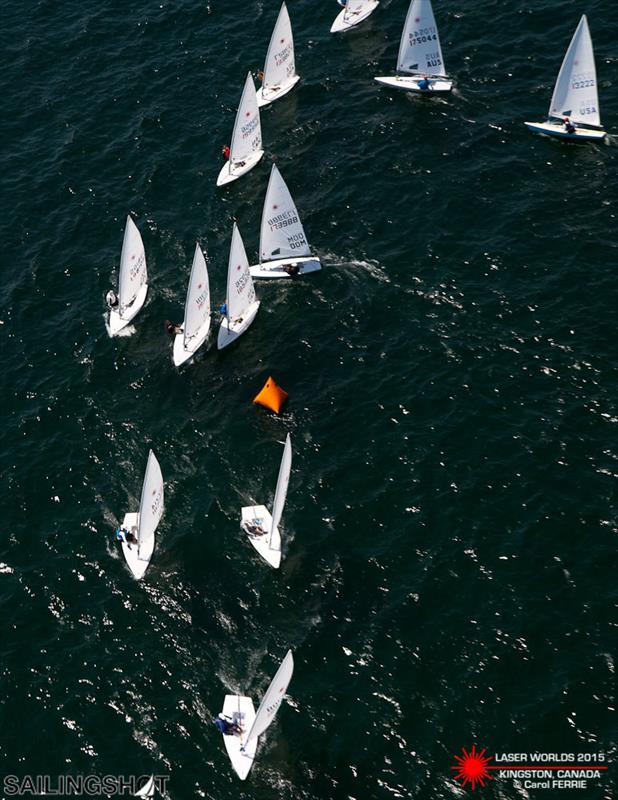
182, 353
230, 330
342, 24
269, 547
265, 98
557, 129
276, 269
231, 172
117, 322
138, 564
239, 710
409, 83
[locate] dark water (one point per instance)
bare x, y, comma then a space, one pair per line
450, 533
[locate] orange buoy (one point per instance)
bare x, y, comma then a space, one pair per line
271, 396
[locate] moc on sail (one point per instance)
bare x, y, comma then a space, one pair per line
132, 281
279, 76
241, 305
259, 525
420, 65
137, 533
575, 101
246, 148
196, 325
284, 250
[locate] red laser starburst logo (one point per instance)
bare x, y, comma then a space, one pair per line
472, 767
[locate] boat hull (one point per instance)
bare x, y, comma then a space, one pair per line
268, 97
268, 547
117, 322
230, 330
239, 710
409, 83
276, 269
182, 353
138, 564
231, 172
557, 130
342, 24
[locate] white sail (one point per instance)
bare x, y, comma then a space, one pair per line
272, 699
282, 483
247, 135
197, 307
282, 233
576, 93
280, 67
420, 51
132, 266
151, 504
240, 289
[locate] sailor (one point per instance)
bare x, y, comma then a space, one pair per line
260, 75
254, 529
227, 726
568, 125
225, 152
293, 270
111, 298
123, 535
172, 328
424, 84
223, 309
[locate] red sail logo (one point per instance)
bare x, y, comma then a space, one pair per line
472, 767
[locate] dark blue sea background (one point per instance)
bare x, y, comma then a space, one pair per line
449, 568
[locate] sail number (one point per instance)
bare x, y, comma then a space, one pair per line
586, 84
433, 59
201, 299
249, 128
296, 241
422, 36
136, 268
282, 220
157, 503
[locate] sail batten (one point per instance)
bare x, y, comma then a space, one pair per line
282, 483
281, 233
420, 51
151, 503
133, 274
576, 90
247, 134
272, 698
280, 66
197, 306
240, 289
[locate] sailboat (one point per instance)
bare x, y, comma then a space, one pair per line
259, 525
132, 279
144, 524
241, 305
576, 97
241, 747
280, 68
355, 11
284, 250
420, 54
246, 147
196, 324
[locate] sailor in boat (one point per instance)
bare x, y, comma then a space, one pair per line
123, 535
424, 84
111, 298
227, 726
225, 152
172, 328
568, 125
260, 75
293, 270
254, 528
